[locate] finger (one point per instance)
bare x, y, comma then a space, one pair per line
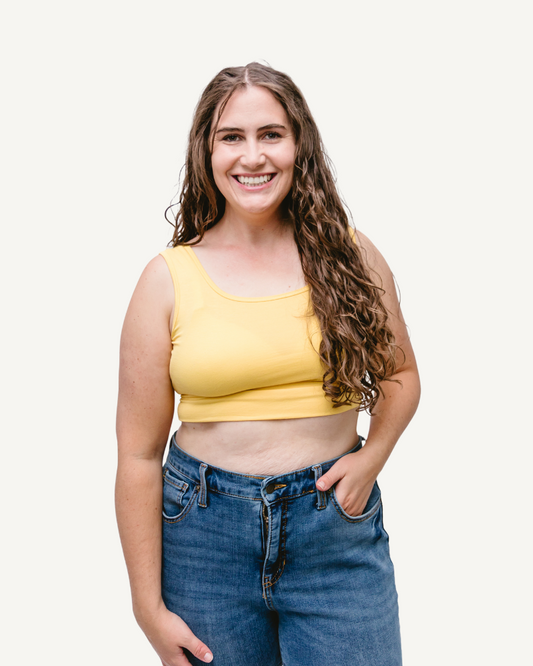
330, 477
200, 650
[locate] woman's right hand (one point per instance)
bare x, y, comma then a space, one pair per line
168, 634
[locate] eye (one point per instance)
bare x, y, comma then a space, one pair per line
270, 136
231, 138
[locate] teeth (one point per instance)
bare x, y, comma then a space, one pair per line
258, 180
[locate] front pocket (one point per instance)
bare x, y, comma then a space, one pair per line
373, 504
179, 493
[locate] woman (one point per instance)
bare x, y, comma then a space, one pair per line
278, 327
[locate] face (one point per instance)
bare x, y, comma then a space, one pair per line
253, 153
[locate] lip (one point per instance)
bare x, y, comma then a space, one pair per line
254, 188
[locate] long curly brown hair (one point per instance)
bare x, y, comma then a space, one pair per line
357, 348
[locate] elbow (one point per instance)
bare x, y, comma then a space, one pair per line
408, 379
415, 388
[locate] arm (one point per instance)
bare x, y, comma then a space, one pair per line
144, 418
357, 472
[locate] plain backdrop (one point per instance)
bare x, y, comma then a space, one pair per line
425, 109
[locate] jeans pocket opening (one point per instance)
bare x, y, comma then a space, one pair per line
373, 504
178, 496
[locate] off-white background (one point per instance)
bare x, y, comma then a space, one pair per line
426, 110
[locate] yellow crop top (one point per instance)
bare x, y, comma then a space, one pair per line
238, 358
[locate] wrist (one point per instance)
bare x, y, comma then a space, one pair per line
374, 456
145, 612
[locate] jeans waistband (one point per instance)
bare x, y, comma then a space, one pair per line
255, 487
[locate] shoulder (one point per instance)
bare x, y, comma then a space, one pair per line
153, 297
156, 276
173, 254
177, 259
379, 272
373, 258
364, 245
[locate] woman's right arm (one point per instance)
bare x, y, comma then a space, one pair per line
144, 418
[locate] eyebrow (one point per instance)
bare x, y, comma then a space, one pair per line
239, 129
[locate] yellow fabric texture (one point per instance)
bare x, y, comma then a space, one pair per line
242, 359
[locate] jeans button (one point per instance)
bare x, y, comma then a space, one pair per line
270, 488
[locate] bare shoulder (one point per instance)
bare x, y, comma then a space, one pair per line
380, 271
364, 241
150, 308
382, 276
154, 293
156, 278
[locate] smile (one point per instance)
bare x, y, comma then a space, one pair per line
254, 181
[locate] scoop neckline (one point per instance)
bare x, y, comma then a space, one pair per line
232, 297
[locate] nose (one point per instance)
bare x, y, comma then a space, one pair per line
252, 156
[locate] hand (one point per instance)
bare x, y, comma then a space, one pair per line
355, 474
168, 634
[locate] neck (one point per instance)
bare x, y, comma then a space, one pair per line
252, 230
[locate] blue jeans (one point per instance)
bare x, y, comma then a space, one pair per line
269, 571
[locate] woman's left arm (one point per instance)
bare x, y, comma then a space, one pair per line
357, 472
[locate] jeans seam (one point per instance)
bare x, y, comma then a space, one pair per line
356, 519
178, 471
181, 516
180, 485
283, 531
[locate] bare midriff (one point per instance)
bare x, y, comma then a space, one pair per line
270, 447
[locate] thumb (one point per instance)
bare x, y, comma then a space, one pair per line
330, 477
199, 649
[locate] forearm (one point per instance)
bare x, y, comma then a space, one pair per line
138, 507
357, 472
393, 412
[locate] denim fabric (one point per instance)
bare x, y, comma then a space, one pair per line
268, 571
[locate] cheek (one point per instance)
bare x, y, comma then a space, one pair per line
219, 170
286, 160
287, 165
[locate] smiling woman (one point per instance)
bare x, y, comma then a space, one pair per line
262, 542
253, 153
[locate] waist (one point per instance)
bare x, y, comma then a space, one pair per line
269, 447
251, 486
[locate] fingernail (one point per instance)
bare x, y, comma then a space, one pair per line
208, 657
320, 485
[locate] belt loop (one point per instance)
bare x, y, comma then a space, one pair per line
321, 496
203, 486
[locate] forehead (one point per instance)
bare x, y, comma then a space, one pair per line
253, 105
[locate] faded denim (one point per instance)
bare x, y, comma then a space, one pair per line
269, 571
